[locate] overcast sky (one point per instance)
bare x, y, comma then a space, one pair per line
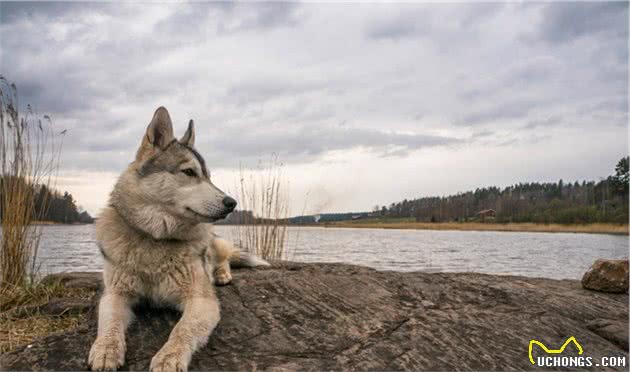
365, 103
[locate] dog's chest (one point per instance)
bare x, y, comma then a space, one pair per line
160, 270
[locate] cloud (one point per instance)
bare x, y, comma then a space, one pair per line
544, 122
563, 22
263, 16
508, 110
310, 142
310, 80
393, 29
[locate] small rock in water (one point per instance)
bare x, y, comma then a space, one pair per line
607, 276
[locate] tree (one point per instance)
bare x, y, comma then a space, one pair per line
622, 176
558, 202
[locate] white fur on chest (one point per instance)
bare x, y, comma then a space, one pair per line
164, 271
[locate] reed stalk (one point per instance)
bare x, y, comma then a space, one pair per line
29, 159
264, 199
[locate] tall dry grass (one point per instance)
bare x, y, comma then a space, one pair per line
264, 192
29, 158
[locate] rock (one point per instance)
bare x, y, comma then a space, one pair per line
616, 331
342, 317
63, 306
87, 280
56, 307
607, 276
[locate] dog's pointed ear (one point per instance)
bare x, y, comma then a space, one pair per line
160, 130
159, 134
189, 137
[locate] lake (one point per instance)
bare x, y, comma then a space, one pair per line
550, 255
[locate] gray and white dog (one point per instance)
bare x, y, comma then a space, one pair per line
158, 244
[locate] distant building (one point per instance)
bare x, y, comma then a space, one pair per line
357, 217
486, 213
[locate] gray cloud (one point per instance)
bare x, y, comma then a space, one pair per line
279, 77
566, 21
508, 110
544, 122
393, 29
265, 16
12, 10
314, 141
434, 23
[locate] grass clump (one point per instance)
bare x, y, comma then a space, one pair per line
21, 321
16, 332
29, 158
264, 204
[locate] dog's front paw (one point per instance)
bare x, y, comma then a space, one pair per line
222, 276
107, 354
169, 359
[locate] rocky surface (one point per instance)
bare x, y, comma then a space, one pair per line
607, 276
333, 317
76, 279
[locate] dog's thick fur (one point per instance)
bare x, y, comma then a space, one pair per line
158, 244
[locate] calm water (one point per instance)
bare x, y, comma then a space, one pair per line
558, 255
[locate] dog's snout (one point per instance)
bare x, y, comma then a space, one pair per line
229, 203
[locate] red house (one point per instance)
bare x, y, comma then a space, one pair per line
486, 213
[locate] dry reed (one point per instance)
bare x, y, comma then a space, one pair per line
29, 158
263, 225
20, 318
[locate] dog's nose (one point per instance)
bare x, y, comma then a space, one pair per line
229, 203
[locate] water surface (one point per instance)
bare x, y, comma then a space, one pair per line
550, 255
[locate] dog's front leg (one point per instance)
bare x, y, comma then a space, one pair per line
201, 315
220, 252
108, 351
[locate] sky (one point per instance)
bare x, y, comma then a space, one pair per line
363, 104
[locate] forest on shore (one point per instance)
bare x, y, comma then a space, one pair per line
586, 202
52, 205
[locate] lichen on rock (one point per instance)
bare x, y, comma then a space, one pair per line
607, 276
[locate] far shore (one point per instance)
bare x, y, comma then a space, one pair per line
46, 223
57, 223
596, 228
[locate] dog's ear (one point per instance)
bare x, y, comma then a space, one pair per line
189, 137
159, 134
160, 130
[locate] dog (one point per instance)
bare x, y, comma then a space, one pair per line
157, 242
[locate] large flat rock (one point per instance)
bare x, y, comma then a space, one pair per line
333, 317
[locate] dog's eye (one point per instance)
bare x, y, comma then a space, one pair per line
189, 172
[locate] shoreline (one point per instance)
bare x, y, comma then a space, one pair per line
597, 228
53, 223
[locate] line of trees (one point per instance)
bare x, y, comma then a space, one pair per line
559, 202
51, 205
